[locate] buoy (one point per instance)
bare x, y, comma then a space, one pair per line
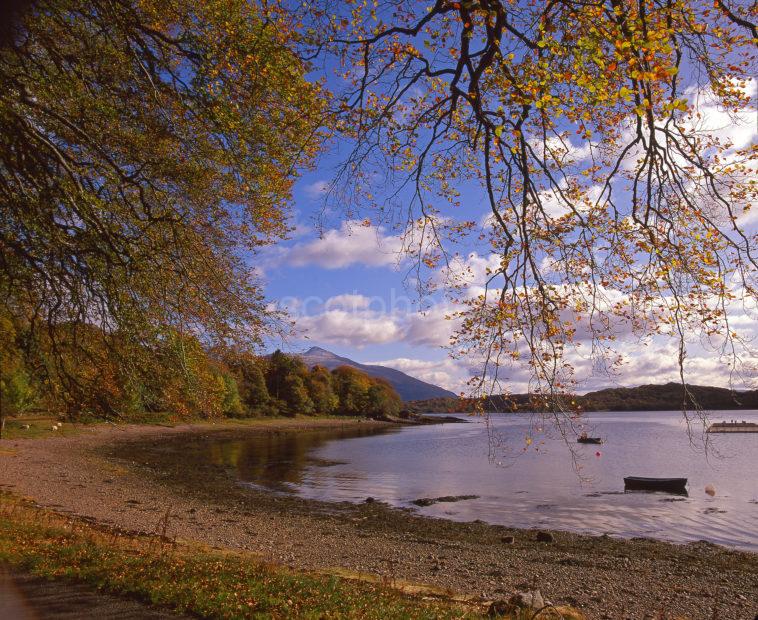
597, 454
710, 489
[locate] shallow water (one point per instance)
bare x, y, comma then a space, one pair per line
541, 484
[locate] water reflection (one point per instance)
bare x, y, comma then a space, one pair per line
279, 460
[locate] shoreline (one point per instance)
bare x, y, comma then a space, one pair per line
132, 477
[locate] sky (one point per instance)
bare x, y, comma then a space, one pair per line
348, 289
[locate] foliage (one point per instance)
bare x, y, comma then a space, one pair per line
382, 399
248, 372
296, 398
346, 390
199, 388
593, 131
319, 385
17, 390
360, 394
351, 387
147, 151
285, 381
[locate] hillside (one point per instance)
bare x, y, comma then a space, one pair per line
666, 397
409, 388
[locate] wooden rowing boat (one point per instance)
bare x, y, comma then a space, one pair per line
670, 485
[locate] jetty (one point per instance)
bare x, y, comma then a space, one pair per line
734, 426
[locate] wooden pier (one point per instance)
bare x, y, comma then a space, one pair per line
733, 427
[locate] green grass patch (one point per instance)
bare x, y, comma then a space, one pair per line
192, 579
38, 426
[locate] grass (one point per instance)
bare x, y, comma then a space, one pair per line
190, 578
40, 425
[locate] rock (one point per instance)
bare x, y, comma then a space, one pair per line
424, 501
545, 537
531, 599
508, 540
370, 500
429, 501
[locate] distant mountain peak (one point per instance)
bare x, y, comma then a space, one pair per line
409, 388
313, 350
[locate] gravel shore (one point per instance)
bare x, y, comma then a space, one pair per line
134, 476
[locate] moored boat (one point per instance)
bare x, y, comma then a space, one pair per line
589, 440
670, 485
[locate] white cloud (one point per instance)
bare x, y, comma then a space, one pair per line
316, 190
447, 373
350, 320
348, 302
352, 243
432, 328
738, 130
562, 149
473, 270
356, 329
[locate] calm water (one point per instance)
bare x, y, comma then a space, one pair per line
536, 487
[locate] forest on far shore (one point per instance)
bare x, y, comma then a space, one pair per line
666, 397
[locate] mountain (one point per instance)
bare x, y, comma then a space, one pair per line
409, 388
666, 397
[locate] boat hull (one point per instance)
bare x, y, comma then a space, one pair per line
589, 440
669, 485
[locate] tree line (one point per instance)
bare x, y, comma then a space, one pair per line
174, 374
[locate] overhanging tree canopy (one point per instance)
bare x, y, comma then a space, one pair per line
147, 151
615, 202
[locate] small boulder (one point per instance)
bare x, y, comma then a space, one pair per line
531, 599
370, 500
424, 501
507, 540
545, 537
